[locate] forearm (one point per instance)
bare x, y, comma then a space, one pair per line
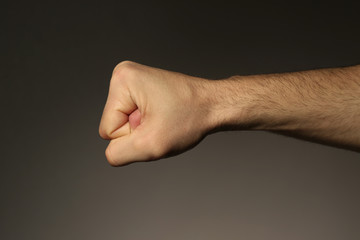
319, 105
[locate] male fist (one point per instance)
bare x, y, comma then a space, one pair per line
152, 113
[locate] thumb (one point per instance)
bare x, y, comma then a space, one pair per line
140, 145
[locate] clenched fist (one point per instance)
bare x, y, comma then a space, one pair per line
152, 113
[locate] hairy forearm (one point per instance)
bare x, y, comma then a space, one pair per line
318, 105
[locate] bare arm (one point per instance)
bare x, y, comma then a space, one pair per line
152, 113
318, 105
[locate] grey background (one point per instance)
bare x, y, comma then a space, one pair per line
56, 63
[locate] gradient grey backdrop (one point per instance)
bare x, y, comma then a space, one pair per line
56, 63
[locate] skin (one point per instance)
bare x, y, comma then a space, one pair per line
152, 113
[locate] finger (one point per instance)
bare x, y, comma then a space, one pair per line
114, 123
140, 145
127, 149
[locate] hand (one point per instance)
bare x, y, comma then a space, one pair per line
152, 113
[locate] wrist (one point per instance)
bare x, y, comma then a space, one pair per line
230, 104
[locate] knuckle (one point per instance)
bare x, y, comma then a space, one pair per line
110, 158
102, 133
125, 68
127, 63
